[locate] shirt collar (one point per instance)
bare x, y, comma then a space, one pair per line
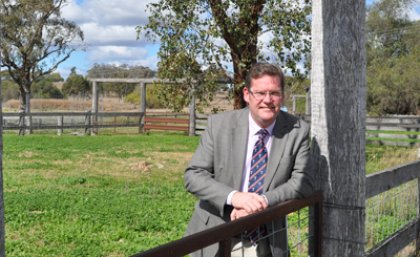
254, 128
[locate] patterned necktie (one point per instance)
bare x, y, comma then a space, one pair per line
256, 178
258, 164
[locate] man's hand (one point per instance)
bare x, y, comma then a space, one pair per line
249, 202
238, 213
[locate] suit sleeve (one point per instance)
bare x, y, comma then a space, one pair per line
300, 183
199, 176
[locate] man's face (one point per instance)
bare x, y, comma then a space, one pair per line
264, 108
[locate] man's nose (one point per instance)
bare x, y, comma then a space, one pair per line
267, 97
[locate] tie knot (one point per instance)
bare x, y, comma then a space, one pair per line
262, 134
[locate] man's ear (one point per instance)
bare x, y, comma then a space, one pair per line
246, 94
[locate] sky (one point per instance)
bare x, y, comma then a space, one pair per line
110, 35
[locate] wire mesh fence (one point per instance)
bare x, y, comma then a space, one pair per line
297, 240
388, 212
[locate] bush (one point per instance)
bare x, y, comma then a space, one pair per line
10, 90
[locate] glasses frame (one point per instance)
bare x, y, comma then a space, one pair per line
260, 95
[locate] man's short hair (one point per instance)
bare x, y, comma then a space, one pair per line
260, 69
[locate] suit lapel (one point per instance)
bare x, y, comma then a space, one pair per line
277, 148
239, 147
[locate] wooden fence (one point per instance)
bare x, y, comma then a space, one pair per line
401, 130
390, 130
222, 234
384, 181
376, 183
91, 122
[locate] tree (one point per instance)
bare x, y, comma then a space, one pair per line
122, 71
392, 49
76, 85
195, 35
44, 86
35, 40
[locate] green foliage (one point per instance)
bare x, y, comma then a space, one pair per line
393, 59
10, 90
296, 86
44, 87
76, 85
35, 39
152, 97
211, 36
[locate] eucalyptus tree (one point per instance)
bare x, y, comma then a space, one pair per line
392, 65
35, 40
200, 36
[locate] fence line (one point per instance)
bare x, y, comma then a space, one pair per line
222, 234
396, 130
393, 212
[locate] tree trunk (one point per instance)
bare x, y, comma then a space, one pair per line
25, 110
338, 122
28, 112
240, 72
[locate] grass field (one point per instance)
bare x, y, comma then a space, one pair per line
106, 195
94, 196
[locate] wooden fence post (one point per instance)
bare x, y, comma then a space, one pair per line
418, 219
338, 122
22, 124
142, 106
192, 113
60, 122
308, 102
88, 123
95, 99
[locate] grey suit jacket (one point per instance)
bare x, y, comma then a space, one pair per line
216, 168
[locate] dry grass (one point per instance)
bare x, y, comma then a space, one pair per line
75, 104
108, 104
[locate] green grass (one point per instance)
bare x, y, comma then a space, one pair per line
94, 196
106, 195
393, 132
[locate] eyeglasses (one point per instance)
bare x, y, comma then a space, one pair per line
260, 95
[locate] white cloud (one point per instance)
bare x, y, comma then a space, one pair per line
100, 35
110, 34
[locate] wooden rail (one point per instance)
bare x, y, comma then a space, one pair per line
383, 181
78, 120
222, 234
165, 123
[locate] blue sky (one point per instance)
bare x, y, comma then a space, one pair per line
110, 36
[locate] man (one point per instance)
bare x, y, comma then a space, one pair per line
248, 160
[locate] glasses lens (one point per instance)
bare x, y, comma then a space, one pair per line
259, 95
